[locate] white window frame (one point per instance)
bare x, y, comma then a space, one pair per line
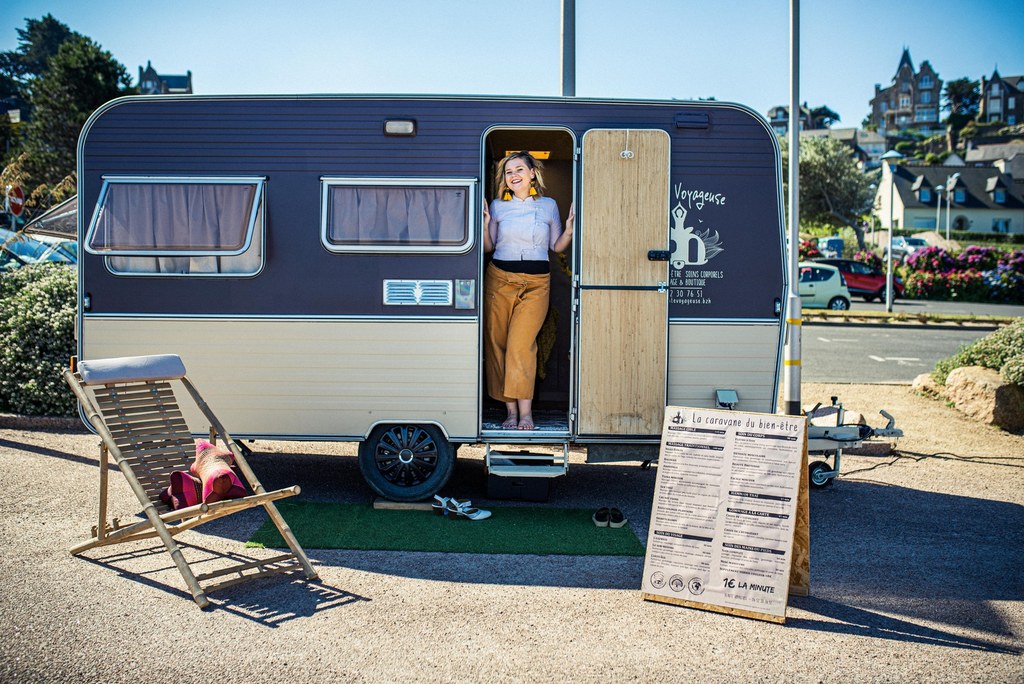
467, 184
256, 220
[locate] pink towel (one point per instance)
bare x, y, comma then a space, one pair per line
213, 467
184, 490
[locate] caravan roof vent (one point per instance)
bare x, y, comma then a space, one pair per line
418, 292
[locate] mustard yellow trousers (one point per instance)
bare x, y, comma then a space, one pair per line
515, 306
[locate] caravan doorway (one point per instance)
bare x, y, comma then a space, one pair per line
555, 149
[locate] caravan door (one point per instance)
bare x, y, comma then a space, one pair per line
623, 299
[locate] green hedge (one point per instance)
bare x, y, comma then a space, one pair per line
37, 339
1003, 350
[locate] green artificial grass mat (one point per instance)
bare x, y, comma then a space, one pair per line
512, 530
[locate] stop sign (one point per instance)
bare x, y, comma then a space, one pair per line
16, 200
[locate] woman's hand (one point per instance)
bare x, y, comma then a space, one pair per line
565, 238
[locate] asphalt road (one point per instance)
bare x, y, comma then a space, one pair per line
871, 354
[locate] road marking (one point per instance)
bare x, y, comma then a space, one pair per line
900, 360
837, 339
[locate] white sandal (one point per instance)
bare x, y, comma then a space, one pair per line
465, 509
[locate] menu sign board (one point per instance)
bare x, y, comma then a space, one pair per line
725, 511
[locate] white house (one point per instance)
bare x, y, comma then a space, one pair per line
977, 199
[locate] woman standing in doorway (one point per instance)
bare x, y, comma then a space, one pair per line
521, 226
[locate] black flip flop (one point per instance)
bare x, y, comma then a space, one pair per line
600, 517
616, 518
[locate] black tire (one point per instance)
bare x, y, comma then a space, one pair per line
815, 474
406, 462
839, 304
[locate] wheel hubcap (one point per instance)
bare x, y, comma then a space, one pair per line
406, 455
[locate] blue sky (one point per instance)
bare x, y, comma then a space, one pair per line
734, 50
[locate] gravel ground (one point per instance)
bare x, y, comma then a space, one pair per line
916, 575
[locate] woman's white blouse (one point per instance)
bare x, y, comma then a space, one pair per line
526, 229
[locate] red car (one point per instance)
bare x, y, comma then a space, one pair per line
863, 280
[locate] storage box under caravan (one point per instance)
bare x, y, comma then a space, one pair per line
318, 264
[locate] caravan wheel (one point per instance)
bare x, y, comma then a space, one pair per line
406, 462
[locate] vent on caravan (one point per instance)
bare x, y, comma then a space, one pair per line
418, 292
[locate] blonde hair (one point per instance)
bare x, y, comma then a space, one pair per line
499, 176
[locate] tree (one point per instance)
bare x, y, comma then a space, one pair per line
833, 190
37, 43
963, 96
963, 102
823, 117
80, 78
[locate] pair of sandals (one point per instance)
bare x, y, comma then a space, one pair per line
608, 517
453, 508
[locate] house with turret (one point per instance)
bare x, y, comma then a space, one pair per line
152, 83
912, 99
1002, 99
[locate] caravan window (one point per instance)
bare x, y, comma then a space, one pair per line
383, 215
179, 226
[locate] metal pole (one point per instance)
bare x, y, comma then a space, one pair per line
794, 314
568, 48
949, 198
938, 208
888, 258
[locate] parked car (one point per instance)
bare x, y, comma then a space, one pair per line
863, 280
33, 249
822, 287
902, 247
831, 247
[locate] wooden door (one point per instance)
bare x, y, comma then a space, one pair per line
623, 295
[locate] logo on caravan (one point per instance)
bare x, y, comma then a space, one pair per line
691, 246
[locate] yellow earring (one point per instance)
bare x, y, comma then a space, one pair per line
507, 195
533, 188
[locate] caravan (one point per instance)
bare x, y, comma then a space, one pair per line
317, 262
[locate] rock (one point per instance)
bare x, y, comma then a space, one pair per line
925, 384
982, 394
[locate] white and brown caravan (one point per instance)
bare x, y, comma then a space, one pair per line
317, 263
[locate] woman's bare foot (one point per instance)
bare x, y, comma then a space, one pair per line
511, 423
526, 423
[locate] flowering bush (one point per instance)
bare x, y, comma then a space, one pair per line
980, 258
37, 321
866, 256
1004, 347
1013, 370
977, 274
808, 250
969, 286
931, 260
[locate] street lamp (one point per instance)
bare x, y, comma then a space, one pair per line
938, 206
949, 198
889, 159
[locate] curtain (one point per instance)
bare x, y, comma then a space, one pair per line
156, 217
362, 215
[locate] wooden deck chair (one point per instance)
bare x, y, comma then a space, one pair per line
131, 404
